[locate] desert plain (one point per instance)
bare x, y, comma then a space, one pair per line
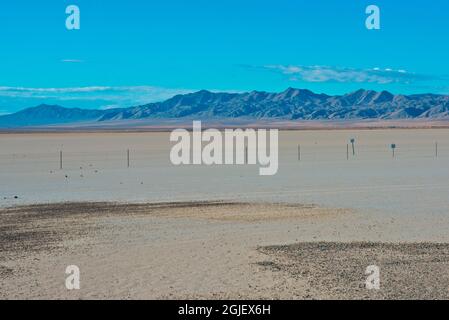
151, 230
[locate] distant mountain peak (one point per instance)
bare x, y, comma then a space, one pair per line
45, 114
201, 92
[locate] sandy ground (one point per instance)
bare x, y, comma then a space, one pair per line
337, 270
133, 235
160, 125
211, 250
95, 169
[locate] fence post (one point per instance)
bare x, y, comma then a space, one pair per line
60, 160
353, 147
127, 157
393, 147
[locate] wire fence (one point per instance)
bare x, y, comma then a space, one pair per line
142, 158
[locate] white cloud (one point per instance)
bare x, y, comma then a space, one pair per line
72, 61
94, 92
86, 97
343, 74
24, 90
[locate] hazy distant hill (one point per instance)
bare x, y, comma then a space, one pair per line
47, 114
290, 104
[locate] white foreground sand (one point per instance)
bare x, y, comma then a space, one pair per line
209, 250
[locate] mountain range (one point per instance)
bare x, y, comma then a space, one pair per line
291, 104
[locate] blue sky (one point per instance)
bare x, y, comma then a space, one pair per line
133, 52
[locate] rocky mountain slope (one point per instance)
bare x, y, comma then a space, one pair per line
291, 104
